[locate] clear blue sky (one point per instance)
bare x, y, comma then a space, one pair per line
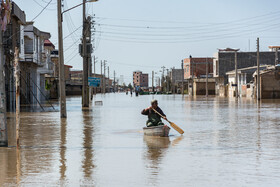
147, 34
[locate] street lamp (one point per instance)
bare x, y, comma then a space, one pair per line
62, 94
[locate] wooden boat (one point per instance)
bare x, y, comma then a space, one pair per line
162, 130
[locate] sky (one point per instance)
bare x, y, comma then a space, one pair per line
149, 34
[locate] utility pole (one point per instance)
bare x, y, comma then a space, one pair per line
182, 66
236, 75
167, 80
173, 80
258, 70
94, 62
17, 78
88, 56
114, 81
108, 80
101, 79
207, 77
62, 94
191, 66
104, 78
153, 81
276, 56
3, 115
85, 95
94, 70
162, 79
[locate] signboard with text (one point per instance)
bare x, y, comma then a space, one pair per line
94, 82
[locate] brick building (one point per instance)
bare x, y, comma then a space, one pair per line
140, 79
197, 67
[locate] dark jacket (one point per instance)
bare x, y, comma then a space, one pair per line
150, 112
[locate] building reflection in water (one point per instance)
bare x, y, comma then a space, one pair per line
10, 162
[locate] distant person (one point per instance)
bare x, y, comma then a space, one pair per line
126, 92
153, 118
131, 92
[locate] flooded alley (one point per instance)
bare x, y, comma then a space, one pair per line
226, 142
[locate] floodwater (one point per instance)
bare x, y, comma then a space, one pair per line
226, 143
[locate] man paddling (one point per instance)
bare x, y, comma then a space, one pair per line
153, 118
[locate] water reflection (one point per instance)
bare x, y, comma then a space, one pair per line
63, 133
88, 132
225, 141
8, 166
156, 149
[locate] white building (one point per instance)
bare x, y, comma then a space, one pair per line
35, 64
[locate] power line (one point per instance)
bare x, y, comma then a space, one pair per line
183, 40
54, 3
172, 21
42, 10
70, 34
177, 32
52, 9
72, 45
31, 20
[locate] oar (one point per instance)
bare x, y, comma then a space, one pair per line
178, 129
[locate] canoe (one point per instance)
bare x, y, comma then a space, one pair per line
162, 130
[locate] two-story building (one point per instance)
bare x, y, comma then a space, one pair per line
35, 65
195, 71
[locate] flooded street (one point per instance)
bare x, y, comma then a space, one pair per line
226, 142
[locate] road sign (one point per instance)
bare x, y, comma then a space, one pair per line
93, 81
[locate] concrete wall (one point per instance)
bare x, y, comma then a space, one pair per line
176, 75
241, 79
200, 86
270, 87
28, 83
221, 88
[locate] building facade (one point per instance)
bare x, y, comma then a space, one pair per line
224, 61
13, 37
269, 83
197, 67
35, 65
140, 79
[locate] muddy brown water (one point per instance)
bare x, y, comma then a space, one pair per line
226, 142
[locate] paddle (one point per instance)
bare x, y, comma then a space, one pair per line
178, 129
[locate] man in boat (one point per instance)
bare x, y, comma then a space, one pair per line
153, 118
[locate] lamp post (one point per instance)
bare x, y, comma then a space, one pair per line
62, 94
